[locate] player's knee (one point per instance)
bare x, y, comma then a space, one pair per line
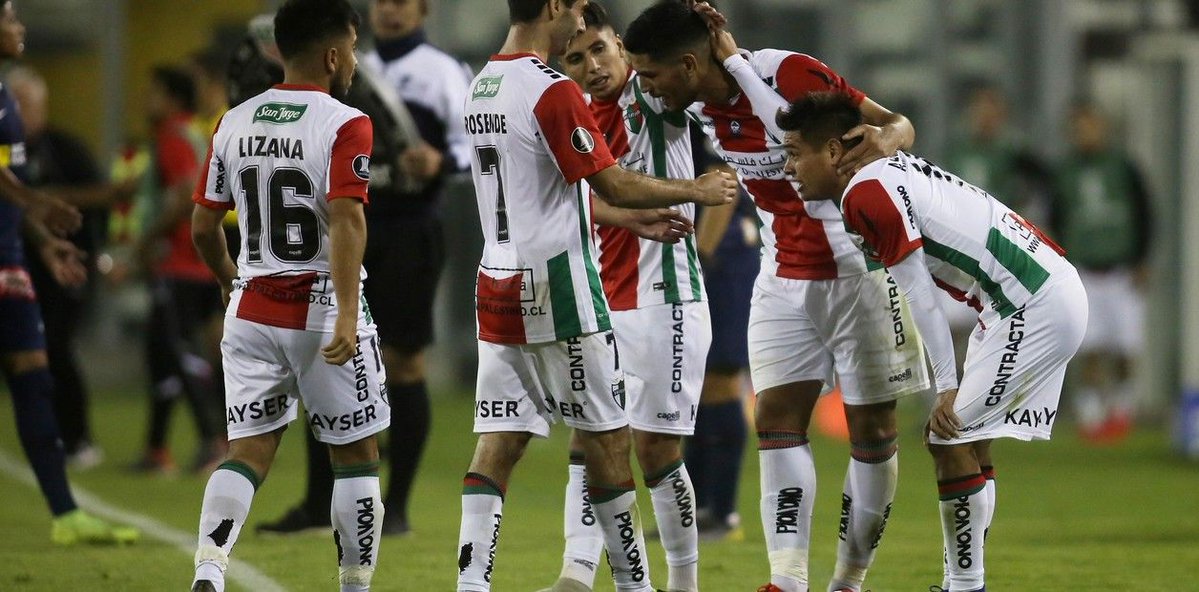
497, 453
358, 452
656, 451
787, 408
871, 423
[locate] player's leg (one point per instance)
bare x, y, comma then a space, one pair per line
25, 367
356, 511
879, 359
584, 539
227, 498
509, 410
1095, 360
965, 507
407, 254
663, 349
194, 308
982, 451
313, 510
789, 367
260, 402
165, 374
715, 452
483, 489
592, 399
346, 408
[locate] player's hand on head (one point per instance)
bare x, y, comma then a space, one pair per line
56, 215
65, 262
943, 420
344, 343
664, 225
713, 17
716, 188
875, 144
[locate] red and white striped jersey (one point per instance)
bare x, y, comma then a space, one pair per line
804, 241
645, 138
278, 159
534, 143
976, 248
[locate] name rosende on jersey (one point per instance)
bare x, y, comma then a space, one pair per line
486, 123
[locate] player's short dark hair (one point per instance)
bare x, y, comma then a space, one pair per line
820, 116
527, 11
666, 30
300, 24
595, 16
178, 85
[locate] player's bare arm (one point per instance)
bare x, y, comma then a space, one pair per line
57, 216
627, 189
62, 258
347, 241
664, 225
209, 239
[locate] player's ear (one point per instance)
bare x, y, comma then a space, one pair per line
834, 148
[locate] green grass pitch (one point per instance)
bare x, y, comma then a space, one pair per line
1069, 518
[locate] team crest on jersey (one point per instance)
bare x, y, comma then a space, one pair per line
362, 167
582, 141
633, 118
279, 113
735, 127
487, 88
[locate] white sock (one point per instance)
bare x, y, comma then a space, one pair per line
989, 475
865, 506
479, 533
356, 512
620, 520
1090, 407
584, 539
673, 497
227, 499
788, 482
964, 509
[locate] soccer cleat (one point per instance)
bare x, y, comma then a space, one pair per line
295, 521
567, 585
78, 526
86, 456
770, 588
203, 586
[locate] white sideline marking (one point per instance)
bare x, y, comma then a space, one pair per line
239, 571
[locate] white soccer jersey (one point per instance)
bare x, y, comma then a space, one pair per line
800, 241
647, 139
534, 143
976, 248
278, 159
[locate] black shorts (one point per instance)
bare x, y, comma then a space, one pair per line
403, 262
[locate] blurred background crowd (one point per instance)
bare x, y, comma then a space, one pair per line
1081, 114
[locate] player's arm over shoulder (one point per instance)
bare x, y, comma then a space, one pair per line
889, 231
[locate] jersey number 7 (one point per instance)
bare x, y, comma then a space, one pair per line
489, 164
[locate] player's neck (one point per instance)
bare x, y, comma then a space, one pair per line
301, 78
718, 87
527, 38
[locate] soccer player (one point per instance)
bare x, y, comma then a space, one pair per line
406, 239
546, 349
23, 359
659, 314
817, 309
930, 229
294, 162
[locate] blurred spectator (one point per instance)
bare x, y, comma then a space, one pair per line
186, 308
1102, 218
210, 73
56, 159
728, 245
412, 156
990, 155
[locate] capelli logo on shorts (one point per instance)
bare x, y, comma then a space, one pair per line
904, 376
672, 416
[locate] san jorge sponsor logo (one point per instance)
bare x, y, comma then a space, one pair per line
279, 113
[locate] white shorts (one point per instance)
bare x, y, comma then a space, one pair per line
663, 351
1117, 312
856, 329
526, 388
267, 369
1015, 366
